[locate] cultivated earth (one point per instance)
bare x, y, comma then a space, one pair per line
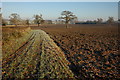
53, 51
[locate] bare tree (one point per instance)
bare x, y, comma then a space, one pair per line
27, 22
118, 19
67, 16
4, 23
110, 20
14, 18
38, 19
95, 21
99, 20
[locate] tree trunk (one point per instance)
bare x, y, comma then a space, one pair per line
66, 25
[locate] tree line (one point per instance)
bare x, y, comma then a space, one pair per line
66, 17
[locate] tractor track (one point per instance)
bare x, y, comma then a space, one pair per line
17, 53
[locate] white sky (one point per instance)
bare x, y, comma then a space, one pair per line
60, 0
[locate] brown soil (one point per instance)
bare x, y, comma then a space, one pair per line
91, 49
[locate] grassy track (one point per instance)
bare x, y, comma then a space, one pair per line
38, 57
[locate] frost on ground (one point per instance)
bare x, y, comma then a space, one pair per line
38, 57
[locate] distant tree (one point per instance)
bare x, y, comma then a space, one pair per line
99, 20
67, 16
14, 18
27, 22
95, 21
38, 19
90, 22
4, 23
110, 20
118, 19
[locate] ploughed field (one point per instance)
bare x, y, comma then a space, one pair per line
31, 54
92, 50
